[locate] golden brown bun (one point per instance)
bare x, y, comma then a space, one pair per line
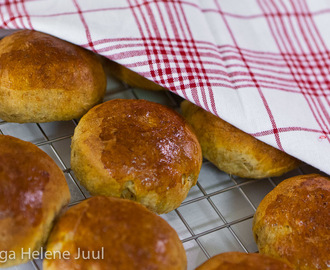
130, 77
136, 149
234, 151
243, 261
46, 79
131, 236
33, 191
292, 222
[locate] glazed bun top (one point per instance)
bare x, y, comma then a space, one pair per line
45, 62
162, 143
44, 78
292, 222
28, 180
139, 138
33, 192
131, 237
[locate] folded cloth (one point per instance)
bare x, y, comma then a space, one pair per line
263, 65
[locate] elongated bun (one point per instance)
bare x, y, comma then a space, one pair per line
234, 151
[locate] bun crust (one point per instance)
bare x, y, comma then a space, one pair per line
243, 261
234, 151
138, 150
46, 79
33, 191
131, 236
292, 222
130, 77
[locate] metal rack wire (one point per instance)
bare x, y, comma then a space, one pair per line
215, 217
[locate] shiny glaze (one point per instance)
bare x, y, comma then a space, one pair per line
147, 141
132, 237
22, 181
304, 212
42, 61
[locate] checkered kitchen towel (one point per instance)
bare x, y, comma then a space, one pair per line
262, 65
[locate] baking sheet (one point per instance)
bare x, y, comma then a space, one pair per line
215, 217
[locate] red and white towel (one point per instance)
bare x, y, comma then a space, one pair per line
261, 65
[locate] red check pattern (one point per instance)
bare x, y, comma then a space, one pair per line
262, 65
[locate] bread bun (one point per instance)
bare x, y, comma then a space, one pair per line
136, 149
243, 261
46, 79
33, 191
234, 151
123, 235
129, 77
292, 222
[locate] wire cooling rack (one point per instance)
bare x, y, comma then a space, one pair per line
215, 217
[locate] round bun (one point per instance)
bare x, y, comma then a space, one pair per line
136, 149
33, 191
122, 234
292, 222
234, 151
46, 79
243, 261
